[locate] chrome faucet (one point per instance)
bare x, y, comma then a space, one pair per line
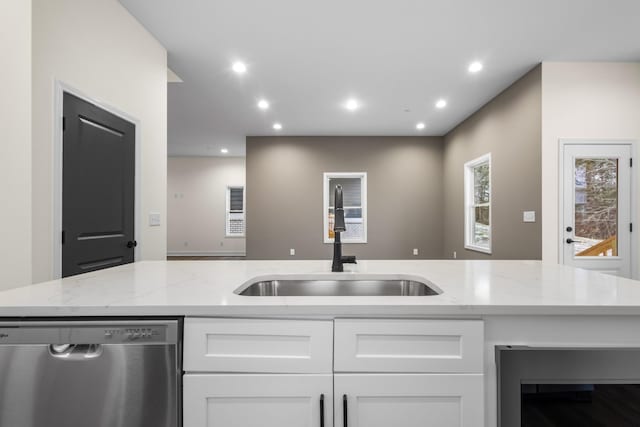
338, 228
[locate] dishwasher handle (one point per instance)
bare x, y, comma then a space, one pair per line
75, 351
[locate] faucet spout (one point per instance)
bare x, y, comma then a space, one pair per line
339, 225
338, 228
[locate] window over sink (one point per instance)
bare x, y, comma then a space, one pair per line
354, 188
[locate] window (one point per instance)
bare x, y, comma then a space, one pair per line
477, 196
235, 212
354, 197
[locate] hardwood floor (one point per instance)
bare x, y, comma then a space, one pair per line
609, 405
206, 258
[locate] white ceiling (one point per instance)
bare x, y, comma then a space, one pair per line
307, 57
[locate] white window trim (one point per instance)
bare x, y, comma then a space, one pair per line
227, 211
468, 202
325, 204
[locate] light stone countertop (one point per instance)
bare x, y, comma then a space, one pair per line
205, 288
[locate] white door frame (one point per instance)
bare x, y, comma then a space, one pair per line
635, 268
60, 88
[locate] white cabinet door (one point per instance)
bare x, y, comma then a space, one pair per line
217, 400
412, 400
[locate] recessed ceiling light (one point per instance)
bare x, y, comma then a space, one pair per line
352, 104
263, 104
277, 126
441, 103
239, 67
475, 67
420, 126
224, 151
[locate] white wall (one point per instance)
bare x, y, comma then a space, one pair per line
588, 101
98, 48
196, 204
15, 143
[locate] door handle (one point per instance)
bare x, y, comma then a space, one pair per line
570, 241
322, 410
75, 351
132, 244
345, 404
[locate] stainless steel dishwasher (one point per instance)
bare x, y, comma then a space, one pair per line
90, 373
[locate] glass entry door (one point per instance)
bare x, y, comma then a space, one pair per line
597, 207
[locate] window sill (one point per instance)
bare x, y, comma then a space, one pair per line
330, 241
478, 249
239, 236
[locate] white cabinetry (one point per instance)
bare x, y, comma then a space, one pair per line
408, 373
258, 345
382, 372
258, 400
408, 400
258, 373
408, 345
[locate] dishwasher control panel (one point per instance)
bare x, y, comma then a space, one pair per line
89, 332
131, 334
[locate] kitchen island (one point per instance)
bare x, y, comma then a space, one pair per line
370, 345
203, 288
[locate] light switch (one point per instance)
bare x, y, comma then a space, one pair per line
529, 216
154, 219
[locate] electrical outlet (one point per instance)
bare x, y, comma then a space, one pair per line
415, 251
186, 244
292, 252
455, 255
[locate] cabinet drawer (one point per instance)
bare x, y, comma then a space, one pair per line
409, 345
258, 345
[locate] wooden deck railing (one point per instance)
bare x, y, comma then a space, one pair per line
602, 248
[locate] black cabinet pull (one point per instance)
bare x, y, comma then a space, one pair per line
322, 410
132, 244
345, 404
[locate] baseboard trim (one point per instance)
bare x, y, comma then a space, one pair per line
216, 253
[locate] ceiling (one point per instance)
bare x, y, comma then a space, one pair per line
397, 57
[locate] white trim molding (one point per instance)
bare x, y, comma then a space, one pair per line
635, 219
60, 88
227, 221
207, 253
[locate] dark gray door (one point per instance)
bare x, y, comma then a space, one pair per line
98, 188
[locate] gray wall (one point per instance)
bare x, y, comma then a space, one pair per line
509, 127
284, 195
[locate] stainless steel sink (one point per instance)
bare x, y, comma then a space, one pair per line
338, 287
